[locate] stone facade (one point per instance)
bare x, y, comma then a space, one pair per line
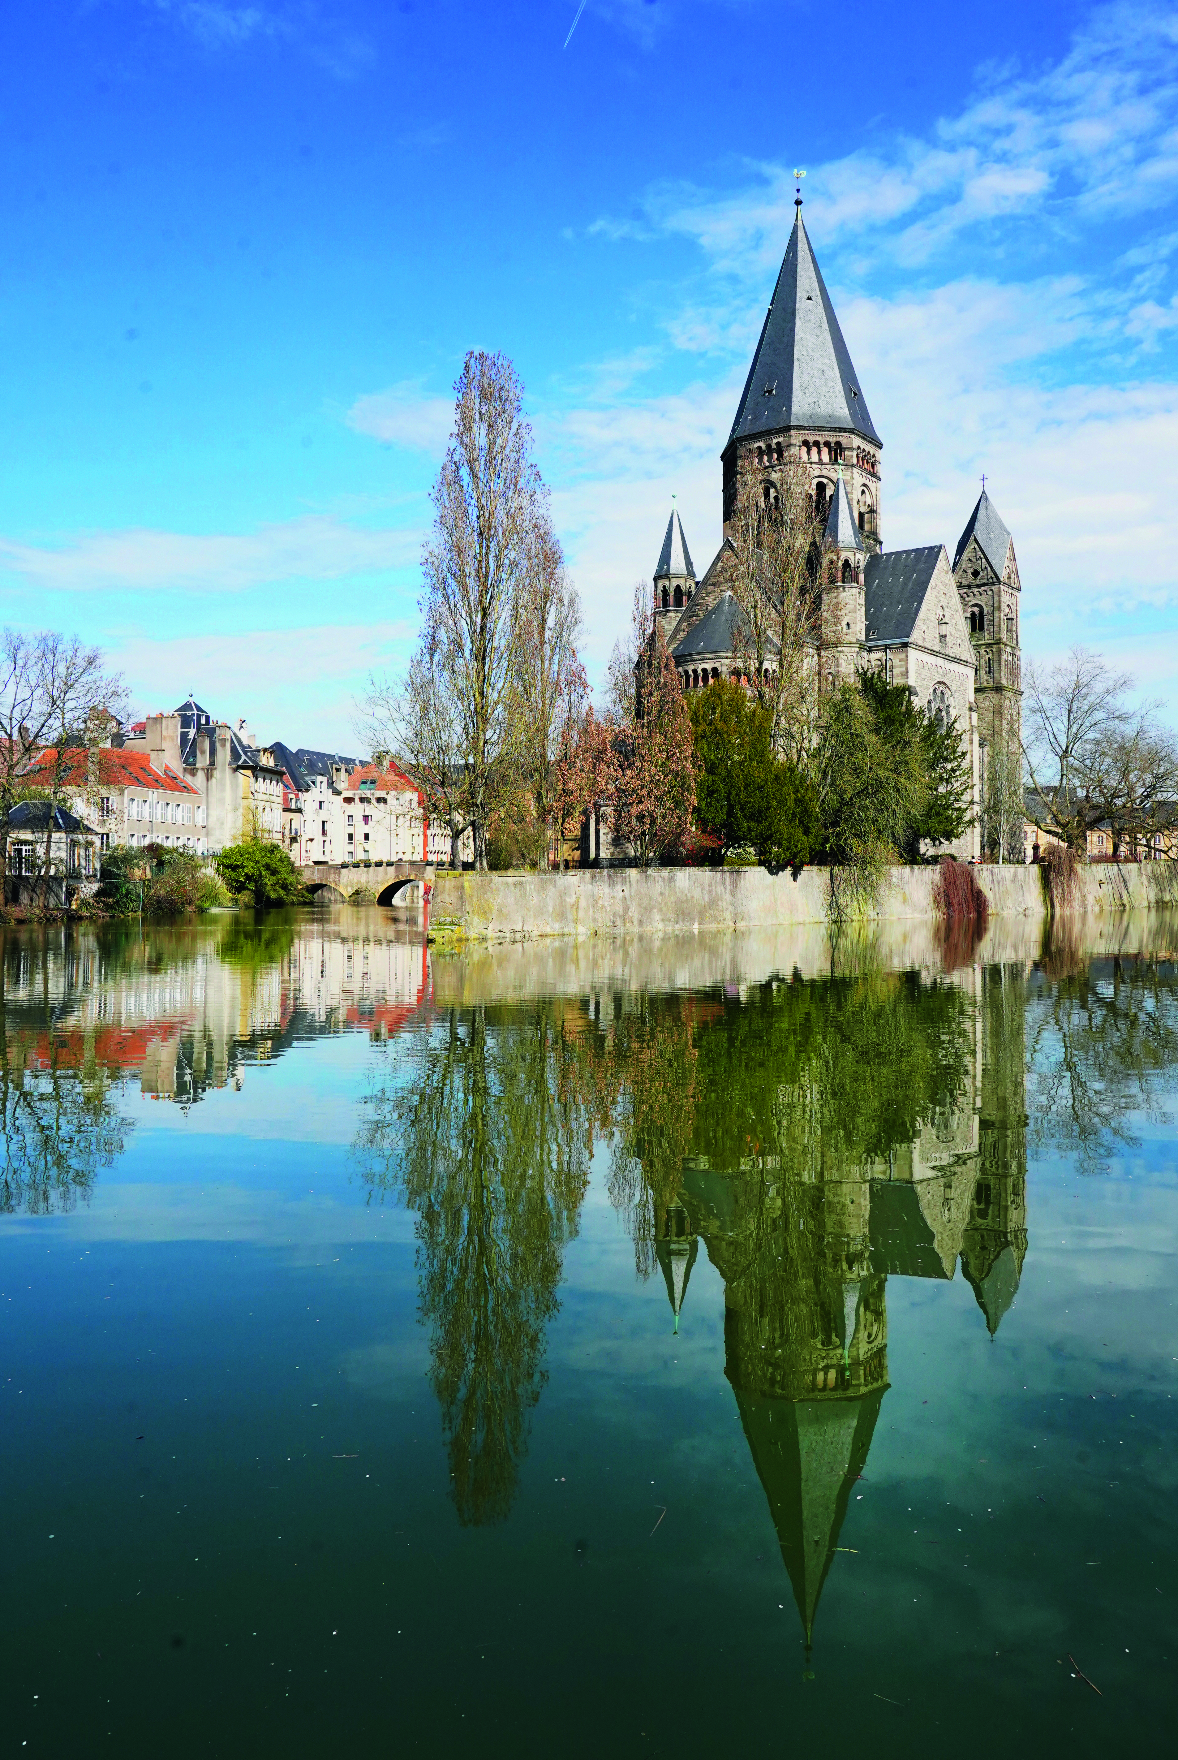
948, 632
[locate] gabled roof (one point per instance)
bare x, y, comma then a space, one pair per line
896, 583
674, 557
719, 631
802, 373
116, 768
986, 524
842, 528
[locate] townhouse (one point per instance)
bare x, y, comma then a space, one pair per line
128, 799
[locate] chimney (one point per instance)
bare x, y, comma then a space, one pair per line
202, 749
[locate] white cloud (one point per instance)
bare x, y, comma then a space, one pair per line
404, 416
1093, 129
315, 548
300, 685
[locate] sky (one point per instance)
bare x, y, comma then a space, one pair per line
249, 242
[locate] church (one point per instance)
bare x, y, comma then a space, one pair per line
949, 631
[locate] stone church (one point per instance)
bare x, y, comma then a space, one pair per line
949, 631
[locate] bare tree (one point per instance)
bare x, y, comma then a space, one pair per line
1003, 809
1093, 759
418, 720
57, 700
772, 563
486, 505
622, 672
552, 687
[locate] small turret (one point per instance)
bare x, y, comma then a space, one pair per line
674, 577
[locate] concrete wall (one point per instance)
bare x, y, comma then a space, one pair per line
673, 901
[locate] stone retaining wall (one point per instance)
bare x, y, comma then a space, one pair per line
676, 901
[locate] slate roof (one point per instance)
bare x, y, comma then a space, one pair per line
674, 557
802, 373
988, 526
34, 816
716, 632
896, 583
842, 528
305, 766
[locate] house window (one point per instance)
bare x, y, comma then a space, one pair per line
351, 819
106, 807
104, 841
351, 837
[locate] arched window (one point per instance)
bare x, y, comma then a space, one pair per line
977, 620
846, 573
695, 678
678, 601
715, 675
820, 500
666, 599
1010, 627
940, 705
866, 512
780, 453
760, 455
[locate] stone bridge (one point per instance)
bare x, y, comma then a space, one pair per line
388, 880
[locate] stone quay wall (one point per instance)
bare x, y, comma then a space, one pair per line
589, 902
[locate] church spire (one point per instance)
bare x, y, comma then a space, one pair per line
802, 373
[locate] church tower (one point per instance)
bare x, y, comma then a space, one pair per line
674, 577
803, 400
986, 574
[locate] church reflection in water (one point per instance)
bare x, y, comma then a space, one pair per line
806, 1239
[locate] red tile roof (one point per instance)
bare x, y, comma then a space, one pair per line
117, 768
391, 777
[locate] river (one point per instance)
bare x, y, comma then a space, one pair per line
659, 1347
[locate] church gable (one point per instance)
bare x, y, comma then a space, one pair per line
940, 623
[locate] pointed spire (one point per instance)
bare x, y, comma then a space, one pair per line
675, 557
987, 525
676, 1257
802, 372
842, 528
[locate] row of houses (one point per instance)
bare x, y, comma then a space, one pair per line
186, 781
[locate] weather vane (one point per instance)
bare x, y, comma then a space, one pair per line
798, 176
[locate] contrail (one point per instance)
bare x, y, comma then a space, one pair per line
573, 26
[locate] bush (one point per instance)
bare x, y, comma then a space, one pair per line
263, 873
182, 882
122, 876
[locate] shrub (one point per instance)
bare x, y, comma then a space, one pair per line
262, 873
122, 876
963, 909
1061, 872
182, 882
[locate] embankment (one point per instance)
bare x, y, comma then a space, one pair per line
677, 901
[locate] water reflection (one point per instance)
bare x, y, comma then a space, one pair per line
486, 1133
58, 1099
825, 1137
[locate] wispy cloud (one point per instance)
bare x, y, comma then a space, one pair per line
230, 24
311, 549
404, 415
1094, 131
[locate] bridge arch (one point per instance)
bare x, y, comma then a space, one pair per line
394, 892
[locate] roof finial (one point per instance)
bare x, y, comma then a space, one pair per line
798, 176
983, 482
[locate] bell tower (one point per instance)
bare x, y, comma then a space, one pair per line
803, 401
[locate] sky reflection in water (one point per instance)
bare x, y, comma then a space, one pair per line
654, 1346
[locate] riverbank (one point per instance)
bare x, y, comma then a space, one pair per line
676, 901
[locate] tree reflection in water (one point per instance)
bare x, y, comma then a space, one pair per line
488, 1136
1103, 1034
57, 1100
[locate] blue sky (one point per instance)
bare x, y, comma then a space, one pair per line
249, 241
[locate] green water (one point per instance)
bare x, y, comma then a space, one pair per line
665, 1350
